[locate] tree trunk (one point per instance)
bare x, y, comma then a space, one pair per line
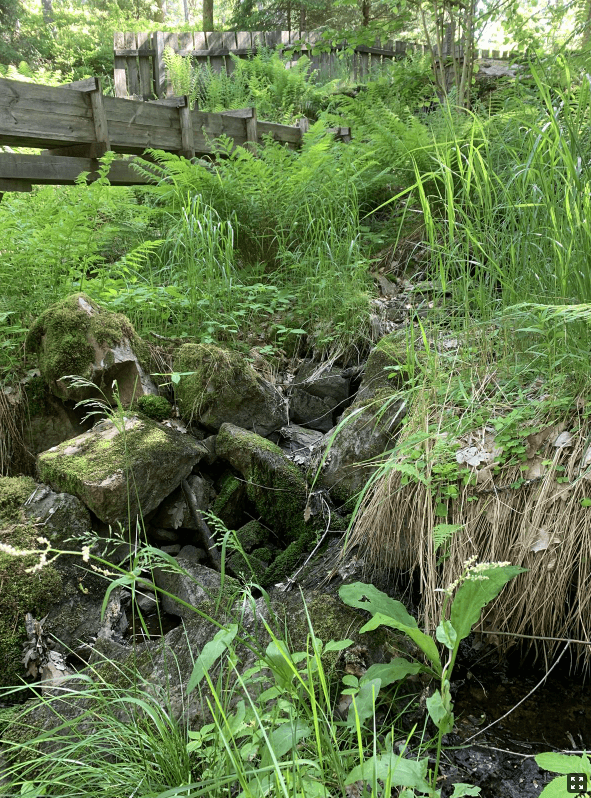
207, 14
186, 10
365, 9
160, 15
48, 13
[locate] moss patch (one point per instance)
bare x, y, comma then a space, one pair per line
252, 535
208, 371
21, 592
62, 335
155, 407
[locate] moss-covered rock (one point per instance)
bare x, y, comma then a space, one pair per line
252, 535
274, 484
248, 566
20, 592
155, 407
390, 363
229, 503
218, 385
77, 337
121, 469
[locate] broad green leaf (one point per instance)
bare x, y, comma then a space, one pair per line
363, 704
464, 789
392, 671
280, 661
283, 739
210, 653
473, 595
564, 763
402, 772
556, 788
368, 597
350, 680
337, 645
439, 707
423, 641
446, 634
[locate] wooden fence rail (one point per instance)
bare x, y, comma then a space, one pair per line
75, 124
139, 69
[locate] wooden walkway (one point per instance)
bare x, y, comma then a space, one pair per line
76, 124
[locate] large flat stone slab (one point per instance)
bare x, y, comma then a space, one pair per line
118, 470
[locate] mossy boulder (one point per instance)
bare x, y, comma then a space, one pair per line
119, 470
274, 485
252, 535
230, 502
76, 336
218, 386
389, 365
21, 592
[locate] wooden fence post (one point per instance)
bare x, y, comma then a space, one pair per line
187, 139
119, 75
252, 133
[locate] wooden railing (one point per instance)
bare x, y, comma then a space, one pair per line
76, 124
140, 71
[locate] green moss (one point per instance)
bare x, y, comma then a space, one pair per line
156, 407
68, 473
252, 535
273, 483
36, 393
14, 491
286, 562
248, 566
207, 372
390, 356
265, 554
21, 592
61, 337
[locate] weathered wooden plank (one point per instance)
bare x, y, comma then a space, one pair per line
119, 74
57, 170
186, 125
96, 150
133, 112
23, 104
218, 124
159, 68
252, 129
133, 77
136, 138
137, 52
286, 133
87, 84
38, 129
243, 41
199, 40
173, 102
171, 40
214, 40
15, 92
240, 113
101, 127
144, 42
258, 38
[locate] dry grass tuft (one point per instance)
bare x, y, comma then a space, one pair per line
533, 514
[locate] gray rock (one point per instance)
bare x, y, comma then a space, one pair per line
194, 584
174, 511
61, 515
299, 443
193, 553
221, 386
173, 549
319, 392
362, 436
139, 462
146, 602
161, 535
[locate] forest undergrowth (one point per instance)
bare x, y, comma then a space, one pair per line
488, 210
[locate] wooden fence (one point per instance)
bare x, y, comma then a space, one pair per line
140, 72
76, 124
